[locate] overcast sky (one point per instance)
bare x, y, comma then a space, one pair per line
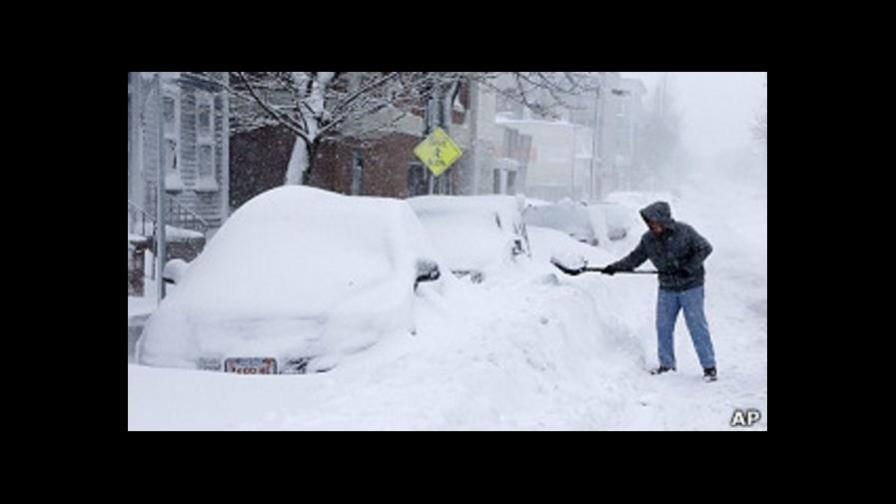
719, 107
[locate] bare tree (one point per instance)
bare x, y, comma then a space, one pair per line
544, 93
311, 105
316, 105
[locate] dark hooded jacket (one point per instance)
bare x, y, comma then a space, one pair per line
678, 252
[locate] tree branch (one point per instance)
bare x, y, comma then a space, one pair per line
282, 118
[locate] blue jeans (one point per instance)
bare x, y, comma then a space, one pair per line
667, 307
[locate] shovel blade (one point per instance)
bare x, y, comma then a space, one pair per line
566, 268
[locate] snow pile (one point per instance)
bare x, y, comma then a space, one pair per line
483, 358
295, 272
175, 270
473, 233
550, 244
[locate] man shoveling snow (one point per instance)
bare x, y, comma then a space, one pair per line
678, 252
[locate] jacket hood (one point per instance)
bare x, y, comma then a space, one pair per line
659, 211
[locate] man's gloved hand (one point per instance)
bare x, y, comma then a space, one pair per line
609, 270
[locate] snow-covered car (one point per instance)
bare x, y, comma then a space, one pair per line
566, 216
612, 220
295, 280
474, 235
621, 211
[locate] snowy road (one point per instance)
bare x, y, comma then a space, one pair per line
527, 350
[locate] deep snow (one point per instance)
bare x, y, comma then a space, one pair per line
527, 349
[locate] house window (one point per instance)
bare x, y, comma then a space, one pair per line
357, 174
205, 141
171, 144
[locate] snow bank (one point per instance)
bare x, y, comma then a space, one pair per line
549, 243
175, 270
517, 353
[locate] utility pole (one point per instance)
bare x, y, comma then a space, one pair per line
429, 127
572, 172
474, 133
597, 151
663, 99
594, 132
439, 116
160, 197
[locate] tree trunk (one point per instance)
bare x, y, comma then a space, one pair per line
300, 163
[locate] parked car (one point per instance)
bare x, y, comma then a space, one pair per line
611, 219
475, 235
566, 216
295, 280
621, 210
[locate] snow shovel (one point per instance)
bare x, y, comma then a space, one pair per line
585, 268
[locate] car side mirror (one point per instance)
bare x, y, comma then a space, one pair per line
427, 271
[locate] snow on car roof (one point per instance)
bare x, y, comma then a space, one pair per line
470, 232
568, 217
297, 250
482, 202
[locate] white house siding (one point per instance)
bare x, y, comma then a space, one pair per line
208, 203
149, 126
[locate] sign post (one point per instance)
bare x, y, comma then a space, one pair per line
160, 196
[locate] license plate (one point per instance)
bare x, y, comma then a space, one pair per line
251, 365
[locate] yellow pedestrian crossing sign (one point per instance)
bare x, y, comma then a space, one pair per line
438, 151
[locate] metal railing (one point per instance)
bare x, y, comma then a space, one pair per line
140, 218
178, 216
182, 217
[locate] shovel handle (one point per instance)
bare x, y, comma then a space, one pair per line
586, 268
642, 272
